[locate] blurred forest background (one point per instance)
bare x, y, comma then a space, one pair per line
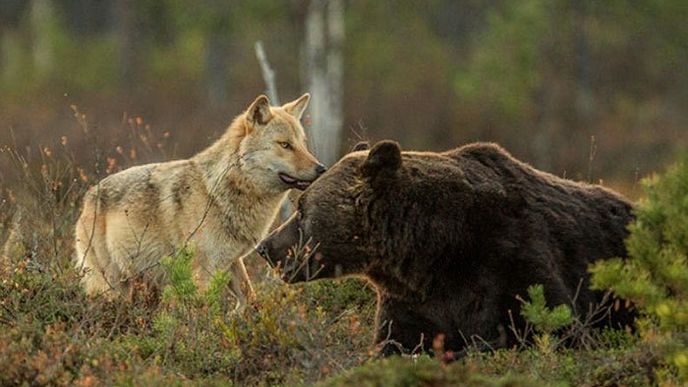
587, 89
590, 90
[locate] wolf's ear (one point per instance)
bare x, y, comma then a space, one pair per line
383, 160
297, 106
361, 146
259, 113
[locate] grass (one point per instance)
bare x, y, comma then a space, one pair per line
321, 332
291, 335
53, 334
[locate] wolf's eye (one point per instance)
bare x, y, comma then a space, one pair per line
285, 144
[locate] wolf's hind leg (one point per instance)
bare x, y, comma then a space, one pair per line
97, 279
92, 258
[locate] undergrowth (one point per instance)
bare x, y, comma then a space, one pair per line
655, 279
51, 333
54, 334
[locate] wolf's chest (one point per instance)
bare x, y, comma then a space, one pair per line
239, 223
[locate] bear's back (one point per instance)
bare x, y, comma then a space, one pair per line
536, 188
556, 226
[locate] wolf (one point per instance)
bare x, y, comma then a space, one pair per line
220, 202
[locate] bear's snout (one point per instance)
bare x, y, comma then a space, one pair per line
263, 250
292, 252
276, 246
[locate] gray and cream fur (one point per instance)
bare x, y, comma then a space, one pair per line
220, 202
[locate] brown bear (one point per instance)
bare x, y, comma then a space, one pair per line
450, 240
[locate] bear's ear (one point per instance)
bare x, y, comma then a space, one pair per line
361, 146
385, 157
259, 114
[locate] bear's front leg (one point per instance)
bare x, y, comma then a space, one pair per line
402, 330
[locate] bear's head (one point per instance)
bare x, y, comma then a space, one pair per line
383, 214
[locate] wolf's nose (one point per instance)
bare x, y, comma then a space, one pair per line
320, 169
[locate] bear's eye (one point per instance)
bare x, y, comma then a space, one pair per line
285, 145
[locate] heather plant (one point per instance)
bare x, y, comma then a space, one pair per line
655, 276
54, 334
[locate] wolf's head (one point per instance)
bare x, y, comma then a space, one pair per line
273, 147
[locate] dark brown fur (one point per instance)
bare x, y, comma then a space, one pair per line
450, 239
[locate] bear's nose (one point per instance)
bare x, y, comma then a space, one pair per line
320, 169
262, 250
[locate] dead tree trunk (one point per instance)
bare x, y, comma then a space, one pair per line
268, 74
271, 90
324, 39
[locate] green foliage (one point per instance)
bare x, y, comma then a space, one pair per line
180, 276
506, 69
294, 335
423, 371
336, 295
56, 335
607, 365
544, 319
655, 276
56, 59
471, 70
52, 334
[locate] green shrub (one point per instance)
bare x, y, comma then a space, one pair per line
54, 334
423, 371
544, 319
335, 296
199, 334
655, 276
51, 333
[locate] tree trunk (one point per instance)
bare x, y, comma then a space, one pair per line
324, 39
10, 56
219, 29
335, 75
584, 99
43, 26
216, 69
11, 12
126, 39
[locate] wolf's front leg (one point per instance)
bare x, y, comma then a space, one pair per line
241, 284
202, 271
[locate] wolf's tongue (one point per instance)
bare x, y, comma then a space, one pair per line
287, 179
300, 184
